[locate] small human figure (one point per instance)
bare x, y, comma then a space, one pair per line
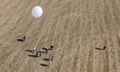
51, 60
38, 54
104, 47
22, 39
51, 47
44, 65
33, 49
45, 50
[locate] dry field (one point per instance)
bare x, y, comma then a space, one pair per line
75, 27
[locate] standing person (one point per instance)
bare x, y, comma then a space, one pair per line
104, 47
45, 50
51, 60
51, 47
33, 49
38, 54
22, 39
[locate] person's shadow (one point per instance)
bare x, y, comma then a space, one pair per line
32, 56
46, 59
44, 65
29, 51
21, 39
104, 47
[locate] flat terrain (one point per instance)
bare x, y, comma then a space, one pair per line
74, 27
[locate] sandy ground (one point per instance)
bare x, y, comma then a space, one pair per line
74, 27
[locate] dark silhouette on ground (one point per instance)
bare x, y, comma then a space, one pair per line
38, 54
104, 47
46, 59
51, 47
29, 51
32, 56
22, 39
45, 50
44, 65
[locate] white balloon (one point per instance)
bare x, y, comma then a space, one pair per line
37, 11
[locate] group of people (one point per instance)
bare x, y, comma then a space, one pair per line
39, 53
44, 50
